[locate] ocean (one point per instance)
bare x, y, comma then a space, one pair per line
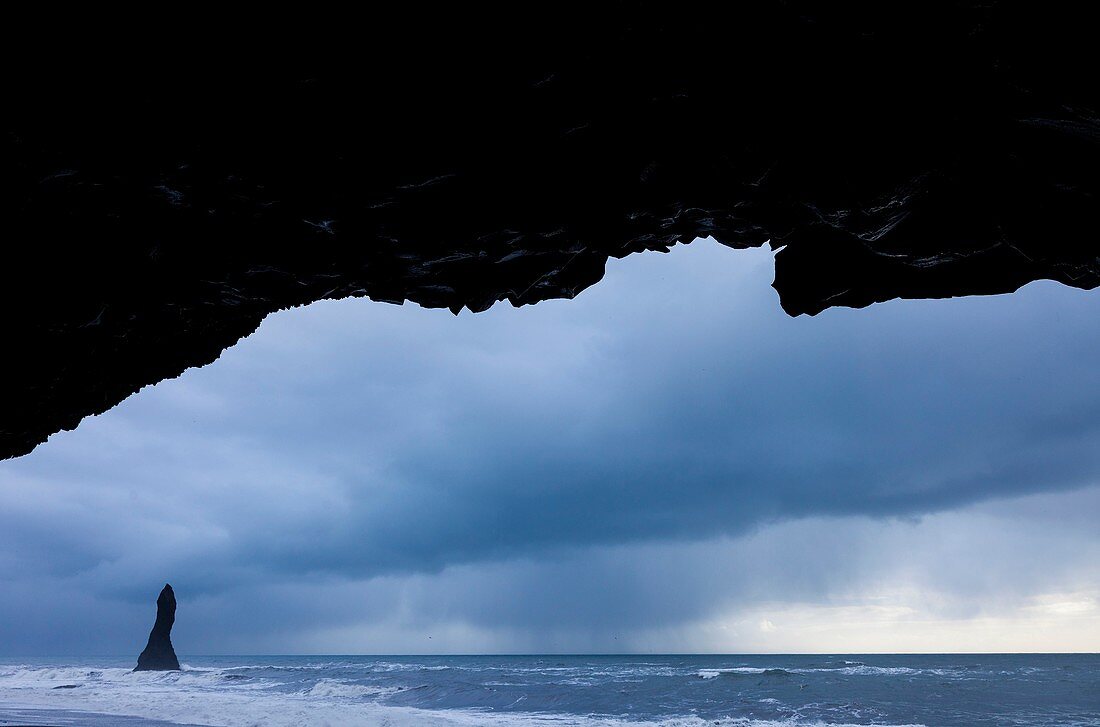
556, 691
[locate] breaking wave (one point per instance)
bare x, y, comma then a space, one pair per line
670, 691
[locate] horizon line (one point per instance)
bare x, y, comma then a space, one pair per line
593, 654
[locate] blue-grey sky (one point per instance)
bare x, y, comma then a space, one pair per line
666, 463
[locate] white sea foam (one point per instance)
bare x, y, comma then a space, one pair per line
864, 670
712, 673
206, 697
860, 670
346, 688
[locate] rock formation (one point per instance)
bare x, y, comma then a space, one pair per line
168, 185
159, 654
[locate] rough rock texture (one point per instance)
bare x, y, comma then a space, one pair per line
170, 183
159, 654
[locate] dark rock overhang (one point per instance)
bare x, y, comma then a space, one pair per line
172, 180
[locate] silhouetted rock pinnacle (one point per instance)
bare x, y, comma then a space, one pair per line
159, 654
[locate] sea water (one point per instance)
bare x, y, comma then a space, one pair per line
588, 691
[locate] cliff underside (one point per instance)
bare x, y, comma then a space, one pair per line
170, 180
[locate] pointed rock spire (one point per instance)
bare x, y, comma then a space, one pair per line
159, 654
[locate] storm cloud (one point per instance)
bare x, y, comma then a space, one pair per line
624, 470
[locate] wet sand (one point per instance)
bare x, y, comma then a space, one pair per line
13, 717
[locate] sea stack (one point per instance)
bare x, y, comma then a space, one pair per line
159, 654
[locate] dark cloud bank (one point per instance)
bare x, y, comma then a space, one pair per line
667, 445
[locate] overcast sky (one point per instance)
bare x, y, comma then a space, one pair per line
667, 463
